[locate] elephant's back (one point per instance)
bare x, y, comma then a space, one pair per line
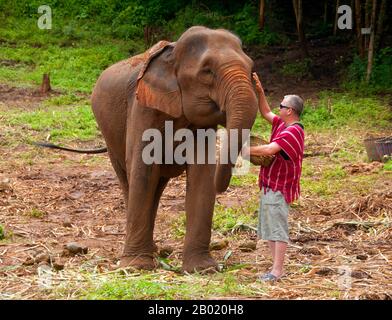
116, 80
109, 101
113, 88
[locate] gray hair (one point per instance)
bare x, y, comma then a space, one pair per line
295, 102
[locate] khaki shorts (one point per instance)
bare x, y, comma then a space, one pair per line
273, 217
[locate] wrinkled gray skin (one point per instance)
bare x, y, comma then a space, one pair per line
209, 76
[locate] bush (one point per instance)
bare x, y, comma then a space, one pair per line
130, 23
381, 77
246, 26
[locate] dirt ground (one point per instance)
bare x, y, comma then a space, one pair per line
339, 249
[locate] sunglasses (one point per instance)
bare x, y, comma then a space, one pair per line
284, 107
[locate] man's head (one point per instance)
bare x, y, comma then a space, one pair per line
291, 108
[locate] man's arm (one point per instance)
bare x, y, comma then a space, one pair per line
264, 107
263, 150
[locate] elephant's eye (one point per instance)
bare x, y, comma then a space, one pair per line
206, 75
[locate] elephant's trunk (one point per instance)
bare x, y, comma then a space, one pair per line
240, 103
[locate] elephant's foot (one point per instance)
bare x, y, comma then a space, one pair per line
203, 263
142, 261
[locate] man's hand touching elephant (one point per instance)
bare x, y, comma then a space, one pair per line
264, 107
259, 87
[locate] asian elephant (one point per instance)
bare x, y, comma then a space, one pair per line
200, 81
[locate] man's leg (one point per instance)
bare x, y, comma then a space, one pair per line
271, 245
280, 251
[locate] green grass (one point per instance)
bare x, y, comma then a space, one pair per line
65, 100
335, 172
388, 165
70, 68
2, 232
76, 122
326, 181
243, 180
171, 287
321, 187
339, 110
178, 226
225, 219
261, 128
36, 213
73, 55
6, 235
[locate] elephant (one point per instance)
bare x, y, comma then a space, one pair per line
200, 81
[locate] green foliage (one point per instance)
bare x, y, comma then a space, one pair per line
245, 24
193, 16
381, 77
130, 22
73, 20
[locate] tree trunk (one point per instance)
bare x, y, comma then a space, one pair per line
367, 22
297, 4
380, 25
367, 14
371, 42
147, 36
335, 26
358, 26
352, 5
325, 11
45, 85
262, 15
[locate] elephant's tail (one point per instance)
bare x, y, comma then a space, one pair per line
53, 146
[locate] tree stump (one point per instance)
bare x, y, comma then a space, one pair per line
45, 85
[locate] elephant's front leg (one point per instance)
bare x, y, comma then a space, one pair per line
199, 205
145, 188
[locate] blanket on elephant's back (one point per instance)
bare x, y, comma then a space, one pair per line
147, 55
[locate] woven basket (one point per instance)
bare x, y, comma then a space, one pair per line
378, 149
264, 161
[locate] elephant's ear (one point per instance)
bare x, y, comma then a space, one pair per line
157, 85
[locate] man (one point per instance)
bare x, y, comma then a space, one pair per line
279, 182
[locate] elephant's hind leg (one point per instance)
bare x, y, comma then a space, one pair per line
122, 177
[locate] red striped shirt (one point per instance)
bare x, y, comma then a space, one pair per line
284, 174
